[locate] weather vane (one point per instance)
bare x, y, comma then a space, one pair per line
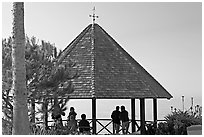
93, 16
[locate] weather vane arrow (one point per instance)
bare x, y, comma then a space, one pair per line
94, 15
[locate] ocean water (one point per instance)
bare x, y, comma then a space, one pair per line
104, 107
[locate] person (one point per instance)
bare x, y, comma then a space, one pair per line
72, 112
57, 114
84, 126
72, 125
116, 120
125, 120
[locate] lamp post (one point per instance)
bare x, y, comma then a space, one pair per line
171, 108
191, 105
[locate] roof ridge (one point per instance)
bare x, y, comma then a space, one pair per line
92, 62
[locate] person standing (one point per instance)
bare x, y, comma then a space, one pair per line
116, 120
72, 112
72, 125
125, 120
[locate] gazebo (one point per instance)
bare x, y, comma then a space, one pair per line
107, 71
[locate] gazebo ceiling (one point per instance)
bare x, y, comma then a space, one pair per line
107, 70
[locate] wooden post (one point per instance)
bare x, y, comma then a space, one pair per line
155, 111
133, 114
46, 113
94, 115
142, 115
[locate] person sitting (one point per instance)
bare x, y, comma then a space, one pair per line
84, 126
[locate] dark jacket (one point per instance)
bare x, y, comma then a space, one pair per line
84, 126
124, 116
115, 116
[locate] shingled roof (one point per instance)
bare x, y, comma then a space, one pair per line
107, 70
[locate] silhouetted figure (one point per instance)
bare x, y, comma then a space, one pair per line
116, 120
72, 112
84, 126
125, 120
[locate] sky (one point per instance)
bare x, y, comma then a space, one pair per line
165, 38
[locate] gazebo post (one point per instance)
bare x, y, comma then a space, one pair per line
94, 115
142, 115
155, 111
133, 114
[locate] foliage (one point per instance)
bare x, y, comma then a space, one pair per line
50, 81
177, 123
40, 130
45, 79
162, 129
7, 104
6, 127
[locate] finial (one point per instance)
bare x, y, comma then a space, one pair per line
93, 16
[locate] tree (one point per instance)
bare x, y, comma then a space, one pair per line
47, 81
21, 124
41, 72
7, 105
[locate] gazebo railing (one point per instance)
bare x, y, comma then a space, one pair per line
105, 127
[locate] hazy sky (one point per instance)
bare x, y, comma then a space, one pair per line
165, 38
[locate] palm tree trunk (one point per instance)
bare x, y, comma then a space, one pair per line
20, 109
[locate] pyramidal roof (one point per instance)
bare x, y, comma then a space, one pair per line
107, 70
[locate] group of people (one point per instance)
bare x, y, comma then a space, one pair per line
118, 117
72, 124
83, 125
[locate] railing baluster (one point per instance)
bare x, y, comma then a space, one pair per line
104, 127
137, 124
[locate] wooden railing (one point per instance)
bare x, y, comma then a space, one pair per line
105, 128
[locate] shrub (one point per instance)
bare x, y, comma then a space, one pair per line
177, 123
40, 130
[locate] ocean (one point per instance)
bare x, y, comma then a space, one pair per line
104, 107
